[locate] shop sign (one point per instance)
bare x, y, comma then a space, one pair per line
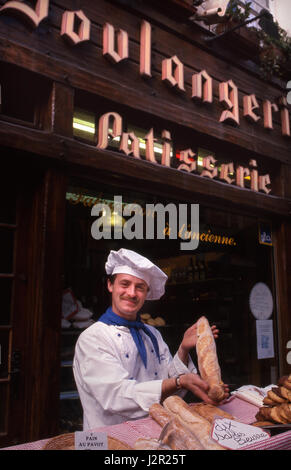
110, 127
75, 28
112, 213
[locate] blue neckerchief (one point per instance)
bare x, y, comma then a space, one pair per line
110, 318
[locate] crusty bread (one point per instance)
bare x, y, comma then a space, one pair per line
207, 360
175, 435
280, 414
178, 437
262, 423
275, 396
160, 414
196, 424
209, 412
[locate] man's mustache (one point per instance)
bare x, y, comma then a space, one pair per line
130, 299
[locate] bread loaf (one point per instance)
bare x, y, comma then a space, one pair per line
196, 424
116, 444
277, 403
177, 436
207, 360
209, 412
159, 414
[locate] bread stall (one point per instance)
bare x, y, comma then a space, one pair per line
251, 419
135, 101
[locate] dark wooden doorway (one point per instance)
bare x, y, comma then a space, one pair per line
31, 244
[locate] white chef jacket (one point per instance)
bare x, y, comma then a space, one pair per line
113, 384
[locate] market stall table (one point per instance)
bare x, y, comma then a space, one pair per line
130, 431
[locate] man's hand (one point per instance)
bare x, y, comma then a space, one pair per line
199, 388
194, 384
189, 341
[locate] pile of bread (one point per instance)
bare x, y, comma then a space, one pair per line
183, 426
149, 320
277, 404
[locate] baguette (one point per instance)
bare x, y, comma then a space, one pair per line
209, 412
175, 435
160, 414
207, 360
196, 424
178, 437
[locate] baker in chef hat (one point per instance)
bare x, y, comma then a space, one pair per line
126, 261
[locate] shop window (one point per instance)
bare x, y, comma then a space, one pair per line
215, 280
22, 94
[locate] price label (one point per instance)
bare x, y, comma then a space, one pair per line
87, 440
234, 435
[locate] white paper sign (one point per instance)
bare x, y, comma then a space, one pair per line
265, 339
261, 301
234, 435
87, 440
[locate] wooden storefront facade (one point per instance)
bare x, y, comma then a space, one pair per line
50, 70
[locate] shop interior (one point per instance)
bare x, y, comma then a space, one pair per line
214, 280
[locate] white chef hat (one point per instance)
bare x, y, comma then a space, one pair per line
129, 262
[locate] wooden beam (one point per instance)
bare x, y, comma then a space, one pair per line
70, 151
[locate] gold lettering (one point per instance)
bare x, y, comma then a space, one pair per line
263, 182
285, 116
124, 144
150, 152
145, 49
228, 94
254, 175
166, 154
241, 173
68, 25
268, 109
109, 50
186, 156
33, 15
210, 169
226, 169
104, 131
173, 72
202, 87
249, 104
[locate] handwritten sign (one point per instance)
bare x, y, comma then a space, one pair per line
87, 440
235, 435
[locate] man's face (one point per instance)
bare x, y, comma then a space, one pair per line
128, 295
